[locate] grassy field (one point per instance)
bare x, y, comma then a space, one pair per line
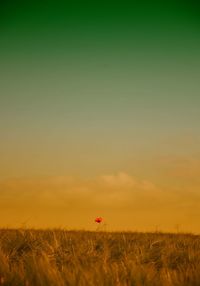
58, 257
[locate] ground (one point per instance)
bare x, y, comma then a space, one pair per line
60, 257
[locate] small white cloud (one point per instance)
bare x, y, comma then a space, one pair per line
119, 180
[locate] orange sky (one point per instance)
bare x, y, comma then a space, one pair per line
125, 201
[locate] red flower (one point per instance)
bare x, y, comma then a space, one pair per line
98, 219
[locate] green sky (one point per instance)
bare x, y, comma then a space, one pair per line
98, 88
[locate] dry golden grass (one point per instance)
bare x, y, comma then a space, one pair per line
58, 257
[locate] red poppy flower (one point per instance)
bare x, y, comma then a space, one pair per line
98, 219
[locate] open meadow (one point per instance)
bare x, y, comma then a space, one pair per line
60, 257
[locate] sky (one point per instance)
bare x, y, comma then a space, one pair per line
99, 114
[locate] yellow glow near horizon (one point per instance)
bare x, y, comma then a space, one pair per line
124, 201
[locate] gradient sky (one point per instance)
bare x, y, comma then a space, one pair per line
99, 114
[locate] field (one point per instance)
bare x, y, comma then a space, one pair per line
59, 257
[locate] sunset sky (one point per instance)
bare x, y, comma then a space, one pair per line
100, 114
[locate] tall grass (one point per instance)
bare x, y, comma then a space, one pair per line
58, 257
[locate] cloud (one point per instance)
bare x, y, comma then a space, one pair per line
124, 181
55, 188
120, 180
